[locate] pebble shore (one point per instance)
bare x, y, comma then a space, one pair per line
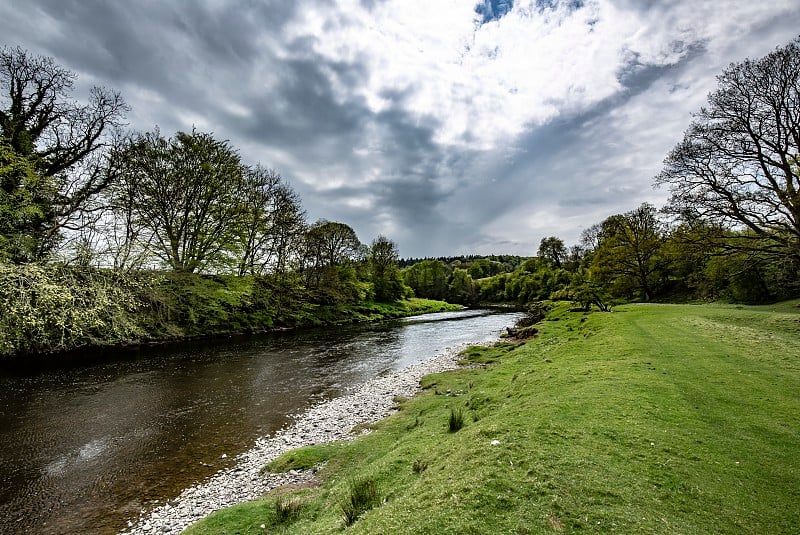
325, 422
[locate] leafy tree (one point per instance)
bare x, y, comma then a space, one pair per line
254, 236
288, 228
185, 192
554, 250
428, 278
627, 257
21, 207
330, 250
485, 267
575, 257
271, 223
586, 294
462, 288
385, 274
738, 162
687, 250
330, 243
69, 144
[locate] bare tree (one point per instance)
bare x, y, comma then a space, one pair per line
738, 164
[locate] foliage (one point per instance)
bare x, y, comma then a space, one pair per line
46, 308
628, 257
462, 288
428, 278
331, 243
270, 224
185, 193
23, 195
384, 273
56, 308
586, 294
553, 250
331, 251
660, 415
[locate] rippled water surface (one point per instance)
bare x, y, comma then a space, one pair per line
84, 448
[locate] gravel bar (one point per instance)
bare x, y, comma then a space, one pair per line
325, 422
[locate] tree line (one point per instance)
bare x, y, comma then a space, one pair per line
78, 189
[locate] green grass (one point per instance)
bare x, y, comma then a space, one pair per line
650, 419
304, 458
371, 311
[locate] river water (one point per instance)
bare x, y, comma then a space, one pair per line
83, 448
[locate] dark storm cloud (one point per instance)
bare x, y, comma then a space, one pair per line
152, 41
302, 107
412, 183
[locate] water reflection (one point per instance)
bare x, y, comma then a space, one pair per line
84, 448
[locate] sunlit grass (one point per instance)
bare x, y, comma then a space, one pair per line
650, 419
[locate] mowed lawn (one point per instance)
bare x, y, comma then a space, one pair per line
649, 419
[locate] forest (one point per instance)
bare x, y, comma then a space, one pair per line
101, 226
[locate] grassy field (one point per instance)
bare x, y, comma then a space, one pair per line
651, 419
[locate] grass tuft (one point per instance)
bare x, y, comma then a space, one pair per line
363, 495
419, 466
456, 421
287, 508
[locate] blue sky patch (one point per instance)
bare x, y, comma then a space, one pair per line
490, 10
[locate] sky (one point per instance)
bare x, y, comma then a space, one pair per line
450, 126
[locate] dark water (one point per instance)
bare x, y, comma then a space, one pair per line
85, 448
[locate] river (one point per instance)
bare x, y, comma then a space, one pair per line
83, 448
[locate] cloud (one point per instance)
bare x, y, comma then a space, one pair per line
448, 126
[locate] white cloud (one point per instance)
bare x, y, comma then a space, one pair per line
485, 84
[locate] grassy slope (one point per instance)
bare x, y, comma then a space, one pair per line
652, 419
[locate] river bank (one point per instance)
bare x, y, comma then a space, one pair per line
652, 419
51, 311
326, 422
